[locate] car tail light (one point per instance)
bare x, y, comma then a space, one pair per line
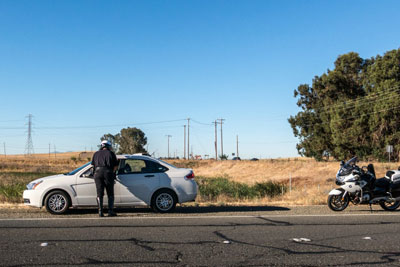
190, 175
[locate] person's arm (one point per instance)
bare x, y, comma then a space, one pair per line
115, 162
93, 161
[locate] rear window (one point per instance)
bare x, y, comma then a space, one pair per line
166, 163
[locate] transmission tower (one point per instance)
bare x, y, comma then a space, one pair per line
29, 144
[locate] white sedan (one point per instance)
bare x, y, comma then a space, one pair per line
141, 181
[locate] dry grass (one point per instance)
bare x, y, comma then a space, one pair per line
311, 180
43, 163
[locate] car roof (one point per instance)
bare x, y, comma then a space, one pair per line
135, 156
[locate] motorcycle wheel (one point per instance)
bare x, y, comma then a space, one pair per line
390, 206
337, 202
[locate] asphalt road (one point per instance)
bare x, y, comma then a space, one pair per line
274, 237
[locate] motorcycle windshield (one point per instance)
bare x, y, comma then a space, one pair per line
352, 161
347, 168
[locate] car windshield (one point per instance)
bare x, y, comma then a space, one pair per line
77, 170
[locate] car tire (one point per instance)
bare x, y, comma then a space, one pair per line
163, 201
57, 202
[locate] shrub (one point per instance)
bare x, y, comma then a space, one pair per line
12, 192
212, 188
269, 189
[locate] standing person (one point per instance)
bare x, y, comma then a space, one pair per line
105, 163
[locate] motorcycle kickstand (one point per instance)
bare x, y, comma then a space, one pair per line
370, 207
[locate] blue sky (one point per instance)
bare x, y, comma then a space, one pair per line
85, 68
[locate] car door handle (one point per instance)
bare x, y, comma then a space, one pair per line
148, 176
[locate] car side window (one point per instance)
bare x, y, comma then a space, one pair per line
131, 166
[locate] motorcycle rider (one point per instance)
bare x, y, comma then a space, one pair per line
104, 164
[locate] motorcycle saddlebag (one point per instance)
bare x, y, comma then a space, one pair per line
393, 177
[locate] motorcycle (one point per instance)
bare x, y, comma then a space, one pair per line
360, 186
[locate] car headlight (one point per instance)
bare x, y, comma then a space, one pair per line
33, 185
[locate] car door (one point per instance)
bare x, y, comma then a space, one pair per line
86, 189
136, 180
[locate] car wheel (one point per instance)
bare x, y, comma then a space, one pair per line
57, 202
163, 201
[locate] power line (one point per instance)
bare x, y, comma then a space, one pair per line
202, 123
344, 106
353, 117
103, 126
359, 99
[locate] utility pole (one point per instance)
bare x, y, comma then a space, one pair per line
55, 155
49, 150
168, 136
184, 141
188, 146
215, 142
221, 121
5, 153
29, 144
237, 145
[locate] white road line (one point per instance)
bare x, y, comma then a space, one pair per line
193, 217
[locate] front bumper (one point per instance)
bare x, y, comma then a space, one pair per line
33, 198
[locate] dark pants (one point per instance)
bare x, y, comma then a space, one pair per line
104, 178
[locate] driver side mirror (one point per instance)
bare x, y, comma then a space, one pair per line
88, 173
341, 163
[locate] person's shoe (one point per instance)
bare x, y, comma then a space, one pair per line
100, 206
111, 212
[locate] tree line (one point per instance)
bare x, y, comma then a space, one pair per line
352, 110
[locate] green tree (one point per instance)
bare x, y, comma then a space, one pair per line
128, 141
131, 140
350, 110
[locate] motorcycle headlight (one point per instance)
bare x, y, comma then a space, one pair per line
33, 185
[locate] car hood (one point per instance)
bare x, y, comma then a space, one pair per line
49, 177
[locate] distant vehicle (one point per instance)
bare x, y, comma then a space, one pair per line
254, 159
236, 158
141, 181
